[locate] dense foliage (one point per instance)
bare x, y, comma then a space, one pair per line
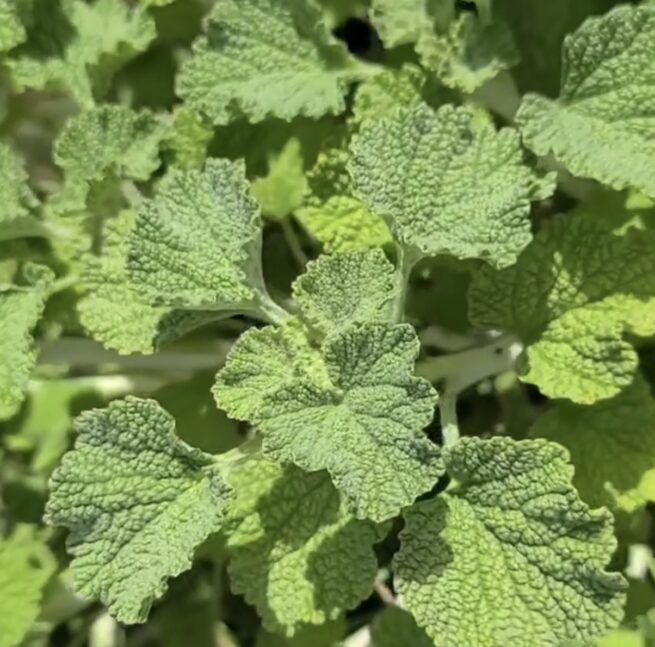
327, 322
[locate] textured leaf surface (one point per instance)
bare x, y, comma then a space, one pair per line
603, 124
401, 21
17, 202
114, 312
346, 289
467, 53
137, 502
110, 139
260, 362
443, 187
196, 245
296, 552
344, 224
189, 138
572, 295
12, 31
26, 565
612, 446
21, 308
364, 424
78, 47
509, 554
266, 58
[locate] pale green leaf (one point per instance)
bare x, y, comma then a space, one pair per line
113, 311
21, 308
137, 502
509, 554
262, 58
339, 291
17, 202
468, 53
296, 552
444, 186
612, 446
379, 95
602, 125
364, 424
196, 244
571, 297
77, 46
400, 22
110, 139
12, 32
26, 565
262, 361
189, 138
344, 224
282, 189
46, 421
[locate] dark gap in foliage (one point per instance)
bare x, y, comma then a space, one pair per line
466, 5
360, 37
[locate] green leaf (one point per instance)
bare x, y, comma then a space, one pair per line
26, 565
339, 291
612, 446
539, 68
572, 295
21, 308
46, 420
281, 191
445, 187
12, 32
468, 53
509, 554
379, 95
400, 22
344, 224
364, 425
113, 311
189, 138
296, 552
197, 244
110, 139
137, 502
77, 47
395, 627
17, 202
601, 126
262, 58
328, 634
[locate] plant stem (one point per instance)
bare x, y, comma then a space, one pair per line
293, 242
448, 418
466, 368
271, 311
406, 262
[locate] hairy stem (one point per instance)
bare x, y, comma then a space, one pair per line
271, 311
294, 243
448, 416
406, 262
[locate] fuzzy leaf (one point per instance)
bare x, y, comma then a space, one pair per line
21, 308
571, 297
26, 565
339, 291
445, 187
602, 125
509, 554
263, 58
363, 422
196, 244
77, 47
296, 552
12, 32
137, 502
612, 446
